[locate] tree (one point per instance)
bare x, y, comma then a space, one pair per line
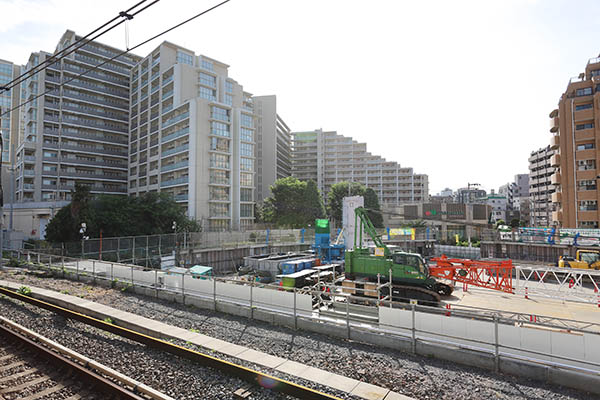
335, 198
294, 203
372, 203
150, 214
514, 223
313, 202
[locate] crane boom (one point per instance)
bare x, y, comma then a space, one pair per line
365, 222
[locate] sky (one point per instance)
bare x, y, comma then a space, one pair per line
458, 90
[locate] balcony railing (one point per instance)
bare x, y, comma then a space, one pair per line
176, 119
175, 150
173, 182
171, 167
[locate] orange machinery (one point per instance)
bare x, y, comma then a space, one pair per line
496, 275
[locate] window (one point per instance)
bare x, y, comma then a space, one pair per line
595, 72
246, 149
206, 93
218, 210
585, 106
588, 224
228, 99
220, 114
219, 129
583, 92
228, 87
245, 194
246, 164
246, 179
246, 210
50, 154
586, 185
49, 168
588, 125
219, 144
208, 80
588, 205
584, 165
247, 121
218, 193
219, 177
247, 135
185, 58
585, 146
219, 161
207, 64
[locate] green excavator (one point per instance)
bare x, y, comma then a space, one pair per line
408, 271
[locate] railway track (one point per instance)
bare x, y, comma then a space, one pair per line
30, 370
258, 381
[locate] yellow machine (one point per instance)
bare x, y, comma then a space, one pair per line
585, 259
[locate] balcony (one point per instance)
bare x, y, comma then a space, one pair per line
174, 182
555, 178
174, 135
90, 175
554, 124
555, 142
175, 150
555, 160
171, 167
556, 197
181, 197
175, 119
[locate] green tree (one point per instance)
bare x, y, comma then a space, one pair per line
335, 198
312, 202
372, 203
152, 213
294, 203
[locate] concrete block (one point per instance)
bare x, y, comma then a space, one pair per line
573, 379
261, 358
233, 350
397, 396
370, 392
292, 367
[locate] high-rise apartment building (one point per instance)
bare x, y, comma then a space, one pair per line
193, 136
329, 158
10, 125
575, 140
273, 146
9, 120
78, 132
540, 187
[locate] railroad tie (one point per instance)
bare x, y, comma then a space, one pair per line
242, 393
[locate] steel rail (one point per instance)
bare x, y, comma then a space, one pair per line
95, 380
249, 375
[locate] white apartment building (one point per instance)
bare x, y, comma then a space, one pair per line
273, 146
541, 187
78, 132
10, 124
192, 134
329, 158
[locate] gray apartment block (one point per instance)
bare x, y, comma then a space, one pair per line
273, 146
193, 136
540, 186
328, 158
78, 132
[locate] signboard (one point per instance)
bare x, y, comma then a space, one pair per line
167, 262
403, 232
348, 218
379, 252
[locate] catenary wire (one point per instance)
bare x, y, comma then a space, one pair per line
63, 53
118, 55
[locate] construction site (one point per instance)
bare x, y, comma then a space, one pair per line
530, 320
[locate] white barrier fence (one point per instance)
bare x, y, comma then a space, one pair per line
500, 338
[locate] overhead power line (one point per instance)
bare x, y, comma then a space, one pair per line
75, 45
119, 55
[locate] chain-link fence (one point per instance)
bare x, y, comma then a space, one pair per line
148, 250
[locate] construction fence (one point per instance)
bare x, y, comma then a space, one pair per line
147, 250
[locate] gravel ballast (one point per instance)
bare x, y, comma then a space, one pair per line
416, 376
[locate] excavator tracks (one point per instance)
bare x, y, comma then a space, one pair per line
423, 296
